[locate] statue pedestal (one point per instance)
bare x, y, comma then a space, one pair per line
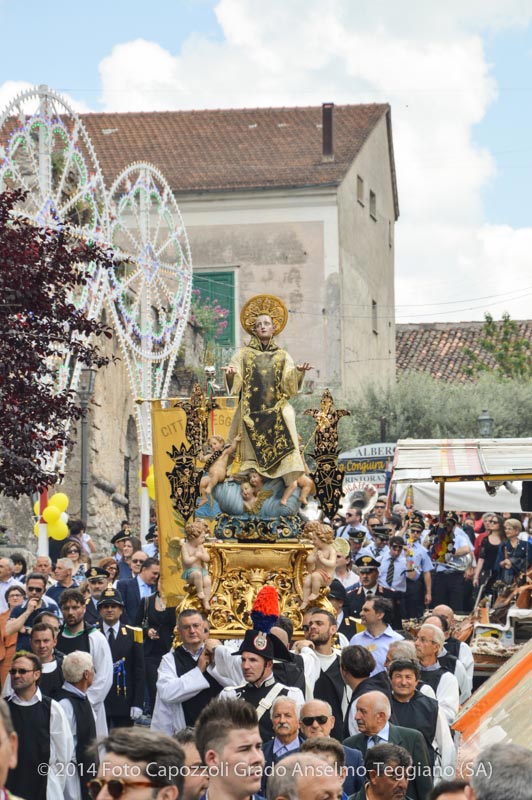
239, 570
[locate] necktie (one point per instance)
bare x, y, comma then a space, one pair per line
111, 636
374, 740
389, 574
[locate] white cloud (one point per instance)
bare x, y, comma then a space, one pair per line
425, 58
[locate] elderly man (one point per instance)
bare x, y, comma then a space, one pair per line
357, 666
317, 721
387, 768
372, 717
454, 646
285, 721
72, 697
304, 777
44, 566
77, 635
377, 615
6, 580
64, 569
230, 746
450, 662
429, 642
140, 764
186, 680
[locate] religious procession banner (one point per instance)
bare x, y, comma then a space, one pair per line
176, 474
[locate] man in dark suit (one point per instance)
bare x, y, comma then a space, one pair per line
135, 589
123, 704
372, 717
317, 722
285, 722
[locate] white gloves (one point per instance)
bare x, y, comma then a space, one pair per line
135, 713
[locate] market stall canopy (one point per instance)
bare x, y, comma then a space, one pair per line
455, 460
464, 496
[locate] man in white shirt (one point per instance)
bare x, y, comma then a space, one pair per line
43, 730
376, 615
72, 697
428, 644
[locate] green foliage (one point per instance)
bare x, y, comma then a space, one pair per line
502, 350
419, 407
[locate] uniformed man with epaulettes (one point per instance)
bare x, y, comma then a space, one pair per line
124, 702
97, 581
368, 572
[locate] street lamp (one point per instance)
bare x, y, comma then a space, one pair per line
485, 425
85, 390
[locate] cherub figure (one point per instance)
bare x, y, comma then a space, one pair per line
216, 465
321, 562
194, 558
248, 496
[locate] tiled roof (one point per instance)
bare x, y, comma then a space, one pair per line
437, 347
203, 151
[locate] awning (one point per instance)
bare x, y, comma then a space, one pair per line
455, 460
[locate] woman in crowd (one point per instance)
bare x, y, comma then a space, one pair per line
515, 555
74, 552
15, 596
124, 565
489, 550
20, 567
109, 564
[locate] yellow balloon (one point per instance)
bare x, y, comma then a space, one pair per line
37, 508
150, 485
58, 530
59, 500
51, 514
36, 529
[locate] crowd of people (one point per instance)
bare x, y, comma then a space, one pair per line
348, 711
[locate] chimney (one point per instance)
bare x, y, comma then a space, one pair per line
327, 131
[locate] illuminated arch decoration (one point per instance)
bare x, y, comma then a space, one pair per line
46, 151
149, 293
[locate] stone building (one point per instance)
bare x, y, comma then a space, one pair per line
297, 202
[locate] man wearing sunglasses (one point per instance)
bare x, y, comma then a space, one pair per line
316, 721
140, 764
43, 731
37, 601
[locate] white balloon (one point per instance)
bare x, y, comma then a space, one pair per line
64, 517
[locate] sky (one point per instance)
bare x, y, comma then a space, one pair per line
458, 77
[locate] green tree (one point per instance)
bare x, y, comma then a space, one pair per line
502, 350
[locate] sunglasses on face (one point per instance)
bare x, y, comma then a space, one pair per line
116, 786
19, 671
321, 720
138, 560
37, 589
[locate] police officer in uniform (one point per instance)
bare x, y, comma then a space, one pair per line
98, 580
123, 704
368, 572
